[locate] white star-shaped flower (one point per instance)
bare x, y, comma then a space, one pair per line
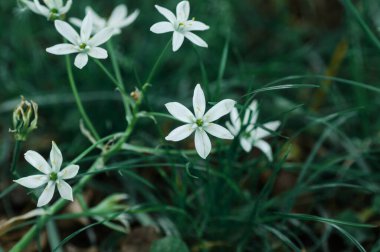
52, 176
83, 44
180, 25
119, 19
251, 136
53, 9
200, 122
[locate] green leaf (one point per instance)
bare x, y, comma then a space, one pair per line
169, 244
329, 221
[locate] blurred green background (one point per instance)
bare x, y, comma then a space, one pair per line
333, 130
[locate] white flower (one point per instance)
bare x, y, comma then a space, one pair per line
52, 176
83, 44
251, 136
199, 121
119, 19
53, 9
180, 25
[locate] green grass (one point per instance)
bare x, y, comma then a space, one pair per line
313, 65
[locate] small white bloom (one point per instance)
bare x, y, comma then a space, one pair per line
83, 44
52, 176
200, 122
180, 25
119, 19
252, 136
53, 9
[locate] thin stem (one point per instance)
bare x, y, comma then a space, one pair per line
78, 101
16, 153
154, 69
119, 85
109, 75
115, 65
348, 4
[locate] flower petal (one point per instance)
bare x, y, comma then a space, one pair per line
33, 181
232, 129
178, 39
218, 131
62, 49
162, 27
37, 161
180, 112
235, 119
262, 132
246, 144
192, 25
265, 148
251, 113
220, 109
67, 31
199, 102
81, 60
166, 13
195, 39
86, 28
67, 7
101, 37
180, 133
202, 143
130, 19
32, 6
52, 4
183, 11
69, 172
117, 15
42, 9
98, 53
55, 157
98, 22
65, 190
76, 21
47, 194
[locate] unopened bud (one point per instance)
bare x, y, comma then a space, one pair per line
25, 118
136, 95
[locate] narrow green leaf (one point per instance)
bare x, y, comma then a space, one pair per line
169, 244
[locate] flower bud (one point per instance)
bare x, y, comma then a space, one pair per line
136, 95
25, 118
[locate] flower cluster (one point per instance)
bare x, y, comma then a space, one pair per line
94, 32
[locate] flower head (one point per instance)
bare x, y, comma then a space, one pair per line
25, 118
180, 25
52, 10
51, 177
250, 135
83, 44
119, 19
200, 122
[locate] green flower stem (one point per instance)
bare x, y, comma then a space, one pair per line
126, 99
16, 153
115, 65
155, 66
81, 109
